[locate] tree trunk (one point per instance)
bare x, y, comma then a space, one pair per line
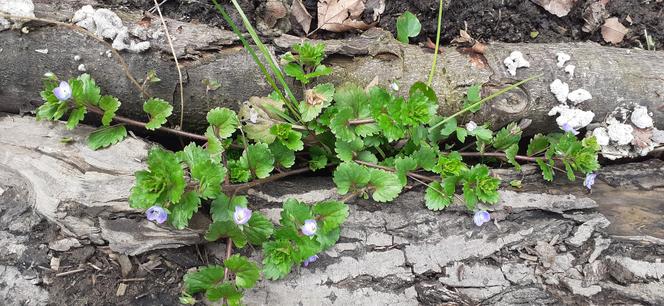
541, 248
613, 76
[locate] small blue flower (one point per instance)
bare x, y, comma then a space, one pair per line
590, 180
568, 128
62, 92
309, 260
309, 228
481, 217
156, 213
241, 215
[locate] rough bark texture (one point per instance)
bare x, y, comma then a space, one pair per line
613, 76
541, 249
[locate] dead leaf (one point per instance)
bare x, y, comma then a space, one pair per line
301, 15
594, 16
341, 15
613, 31
642, 137
559, 8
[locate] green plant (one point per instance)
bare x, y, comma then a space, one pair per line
407, 26
379, 142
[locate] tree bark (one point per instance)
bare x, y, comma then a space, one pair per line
613, 76
540, 248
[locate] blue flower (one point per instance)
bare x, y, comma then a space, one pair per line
241, 215
309, 228
590, 180
156, 213
481, 217
568, 128
62, 92
309, 260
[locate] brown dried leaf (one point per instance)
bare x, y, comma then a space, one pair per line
613, 31
642, 137
594, 15
559, 8
341, 15
301, 15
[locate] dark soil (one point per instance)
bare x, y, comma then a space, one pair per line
486, 20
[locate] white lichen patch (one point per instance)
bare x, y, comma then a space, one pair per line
640, 117
42, 51
570, 70
620, 133
106, 24
560, 89
602, 136
579, 96
81, 68
21, 8
515, 61
562, 59
573, 117
77, 57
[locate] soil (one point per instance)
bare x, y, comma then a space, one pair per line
485, 20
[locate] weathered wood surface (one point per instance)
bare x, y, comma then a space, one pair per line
542, 248
613, 76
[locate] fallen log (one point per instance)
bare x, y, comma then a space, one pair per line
541, 248
613, 76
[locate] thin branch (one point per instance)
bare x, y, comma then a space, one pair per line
500, 155
92, 35
140, 124
361, 121
410, 174
229, 251
272, 178
175, 58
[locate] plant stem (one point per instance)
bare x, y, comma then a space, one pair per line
361, 121
142, 125
229, 251
175, 58
272, 178
435, 53
498, 154
410, 174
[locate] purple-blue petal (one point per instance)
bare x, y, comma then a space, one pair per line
241, 215
156, 213
590, 180
309, 228
310, 260
481, 217
62, 92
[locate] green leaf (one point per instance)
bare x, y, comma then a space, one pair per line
224, 291
223, 207
317, 158
538, 144
77, 114
346, 151
162, 183
461, 134
226, 229
449, 127
473, 95
309, 54
182, 212
203, 279
85, 91
258, 229
426, 157
210, 175
246, 272
315, 100
277, 259
510, 153
350, 176
331, 214
450, 164
289, 138
224, 121
403, 165
283, 156
367, 156
106, 136
424, 89
259, 159
295, 212
507, 136
295, 70
547, 170
435, 197
386, 185
109, 105
407, 26
481, 133
239, 171
469, 196
159, 110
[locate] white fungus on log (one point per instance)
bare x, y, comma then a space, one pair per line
570, 70
560, 89
640, 117
515, 61
106, 24
602, 136
574, 117
620, 133
579, 95
562, 59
